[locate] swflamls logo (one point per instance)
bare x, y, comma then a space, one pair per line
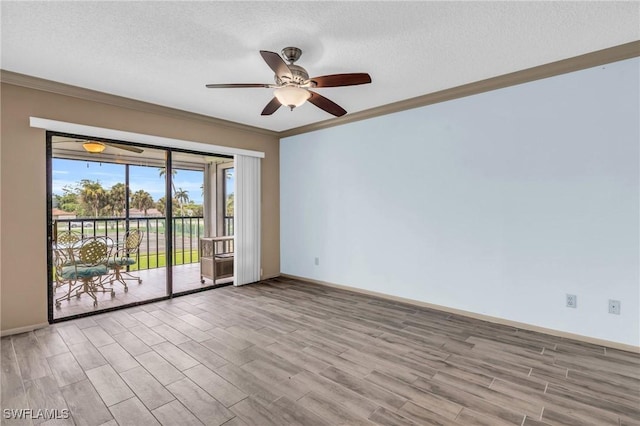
42, 414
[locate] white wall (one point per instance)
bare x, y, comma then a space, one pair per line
498, 204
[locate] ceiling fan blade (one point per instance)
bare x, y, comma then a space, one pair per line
271, 107
124, 147
237, 85
336, 80
58, 140
276, 63
326, 104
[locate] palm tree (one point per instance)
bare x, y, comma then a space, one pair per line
117, 198
93, 195
162, 173
142, 200
160, 204
183, 197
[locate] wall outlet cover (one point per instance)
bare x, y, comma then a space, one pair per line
572, 301
614, 307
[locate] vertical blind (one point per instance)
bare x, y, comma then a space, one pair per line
247, 220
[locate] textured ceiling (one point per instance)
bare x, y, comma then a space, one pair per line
165, 52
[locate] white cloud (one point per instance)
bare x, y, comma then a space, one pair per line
58, 184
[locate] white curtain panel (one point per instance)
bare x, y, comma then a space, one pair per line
247, 220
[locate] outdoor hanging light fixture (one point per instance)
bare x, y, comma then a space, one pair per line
94, 147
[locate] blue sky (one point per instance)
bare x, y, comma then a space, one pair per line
70, 172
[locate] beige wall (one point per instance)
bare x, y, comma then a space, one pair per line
23, 266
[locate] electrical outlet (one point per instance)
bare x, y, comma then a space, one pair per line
614, 307
316, 261
572, 301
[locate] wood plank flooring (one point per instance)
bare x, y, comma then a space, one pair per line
284, 352
153, 286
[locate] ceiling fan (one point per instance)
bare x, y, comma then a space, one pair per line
96, 147
293, 83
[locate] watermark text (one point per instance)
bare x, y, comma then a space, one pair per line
32, 414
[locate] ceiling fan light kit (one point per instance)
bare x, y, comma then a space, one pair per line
93, 147
293, 83
291, 96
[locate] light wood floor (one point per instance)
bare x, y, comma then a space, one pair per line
154, 285
284, 352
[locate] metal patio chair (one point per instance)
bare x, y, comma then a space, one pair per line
82, 266
125, 256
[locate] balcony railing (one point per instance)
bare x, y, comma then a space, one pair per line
187, 231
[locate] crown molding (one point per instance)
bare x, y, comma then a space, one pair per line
588, 60
37, 83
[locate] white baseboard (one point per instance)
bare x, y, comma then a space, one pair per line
468, 314
24, 329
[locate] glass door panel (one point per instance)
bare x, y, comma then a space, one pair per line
196, 211
108, 199
146, 217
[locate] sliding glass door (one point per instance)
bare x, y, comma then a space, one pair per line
112, 197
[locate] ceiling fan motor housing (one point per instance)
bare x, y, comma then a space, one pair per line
299, 76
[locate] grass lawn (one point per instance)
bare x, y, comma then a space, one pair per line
160, 260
